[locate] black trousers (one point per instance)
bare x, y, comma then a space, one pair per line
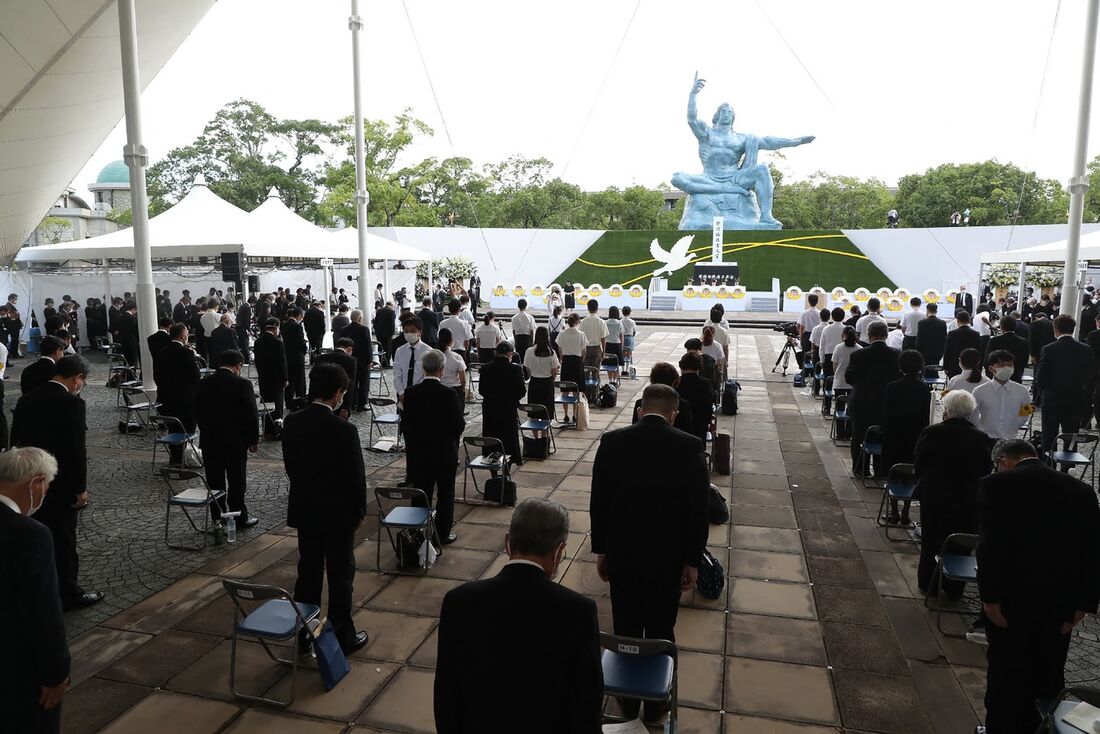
523, 343
859, 432
62, 524
437, 479
274, 395
1026, 661
1059, 419
315, 342
243, 342
385, 352
226, 469
295, 376
328, 550
645, 605
361, 389
909, 342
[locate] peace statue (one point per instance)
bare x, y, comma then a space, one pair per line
733, 184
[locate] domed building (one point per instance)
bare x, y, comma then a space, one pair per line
71, 218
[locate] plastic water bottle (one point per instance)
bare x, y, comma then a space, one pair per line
231, 526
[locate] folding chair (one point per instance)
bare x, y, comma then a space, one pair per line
417, 515
277, 619
204, 369
840, 421
569, 394
932, 380
951, 565
538, 422
591, 382
641, 670
870, 449
123, 374
473, 377
383, 419
901, 484
481, 461
196, 496
139, 406
613, 372
168, 432
1053, 711
263, 412
1076, 444
376, 375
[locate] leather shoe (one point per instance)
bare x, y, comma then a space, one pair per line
449, 539
86, 599
250, 522
360, 641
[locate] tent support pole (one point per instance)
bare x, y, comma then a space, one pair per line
1079, 183
386, 281
107, 291
362, 197
137, 158
1021, 291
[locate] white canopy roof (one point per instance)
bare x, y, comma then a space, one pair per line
1052, 252
61, 93
378, 248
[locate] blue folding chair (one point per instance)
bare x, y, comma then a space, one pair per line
417, 515
640, 670
277, 618
568, 395
489, 456
537, 424
870, 450
842, 424
955, 562
375, 375
196, 496
168, 432
376, 406
901, 485
1073, 454
1054, 711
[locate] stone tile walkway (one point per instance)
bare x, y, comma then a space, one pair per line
820, 628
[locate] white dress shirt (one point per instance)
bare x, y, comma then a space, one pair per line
864, 322
629, 327
831, 337
909, 321
572, 342
523, 323
4, 500
453, 369
210, 320
407, 352
895, 339
488, 336
594, 329
808, 319
460, 330
841, 354
541, 367
815, 334
614, 331
998, 408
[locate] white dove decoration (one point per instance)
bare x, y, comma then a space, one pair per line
674, 260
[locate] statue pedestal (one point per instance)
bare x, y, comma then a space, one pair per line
738, 211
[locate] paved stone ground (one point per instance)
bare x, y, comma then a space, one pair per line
820, 628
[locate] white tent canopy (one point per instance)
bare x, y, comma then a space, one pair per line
61, 93
279, 232
378, 248
1050, 253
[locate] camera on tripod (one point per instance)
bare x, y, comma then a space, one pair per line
789, 328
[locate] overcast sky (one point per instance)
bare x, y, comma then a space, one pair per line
888, 88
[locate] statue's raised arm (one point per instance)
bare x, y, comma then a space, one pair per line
772, 142
697, 126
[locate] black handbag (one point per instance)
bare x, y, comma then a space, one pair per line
712, 577
716, 507
500, 490
408, 548
536, 447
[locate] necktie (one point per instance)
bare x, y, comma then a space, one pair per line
412, 364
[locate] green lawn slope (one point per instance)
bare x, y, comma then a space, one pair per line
800, 258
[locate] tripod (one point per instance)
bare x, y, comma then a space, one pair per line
785, 356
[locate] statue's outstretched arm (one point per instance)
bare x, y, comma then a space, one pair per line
771, 142
697, 126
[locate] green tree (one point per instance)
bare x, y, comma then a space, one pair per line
53, 229
832, 202
995, 193
1092, 197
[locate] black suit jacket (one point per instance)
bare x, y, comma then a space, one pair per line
503, 624
294, 339
348, 364
931, 338
244, 316
965, 302
53, 419
869, 371
222, 339
339, 323
314, 323
360, 334
433, 423
37, 654
177, 375
904, 416
649, 499
225, 407
949, 459
384, 322
1064, 373
684, 419
430, 321
699, 392
269, 355
157, 341
961, 338
36, 374
179, 314
1040, 542
1039, 335
324, 462
1015, 344
127, 325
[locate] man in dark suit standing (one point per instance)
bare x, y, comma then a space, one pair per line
34, 672
328, 499
180, 313
649, 518
129, 340
271, 372
177, 376
314, 321
960, 338
222, 339
244, 325
52, 418
1038, 574
340, 322
363, 351
964, 301
341, 356
159, 339
39, 372
430, 323
555, 680
385, 325
931, 336
698, 392
1040, 333
225, 407
294, 339
432, 422
1011, 342
1061, 380
869, 371
501, 387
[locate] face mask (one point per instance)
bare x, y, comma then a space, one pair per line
33, 507
412, 338
1004, 374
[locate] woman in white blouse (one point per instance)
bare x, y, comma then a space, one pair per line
572, 343
454, 368
488, 336
543, 365
841, 354
556, 324
614, 334
972, 375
